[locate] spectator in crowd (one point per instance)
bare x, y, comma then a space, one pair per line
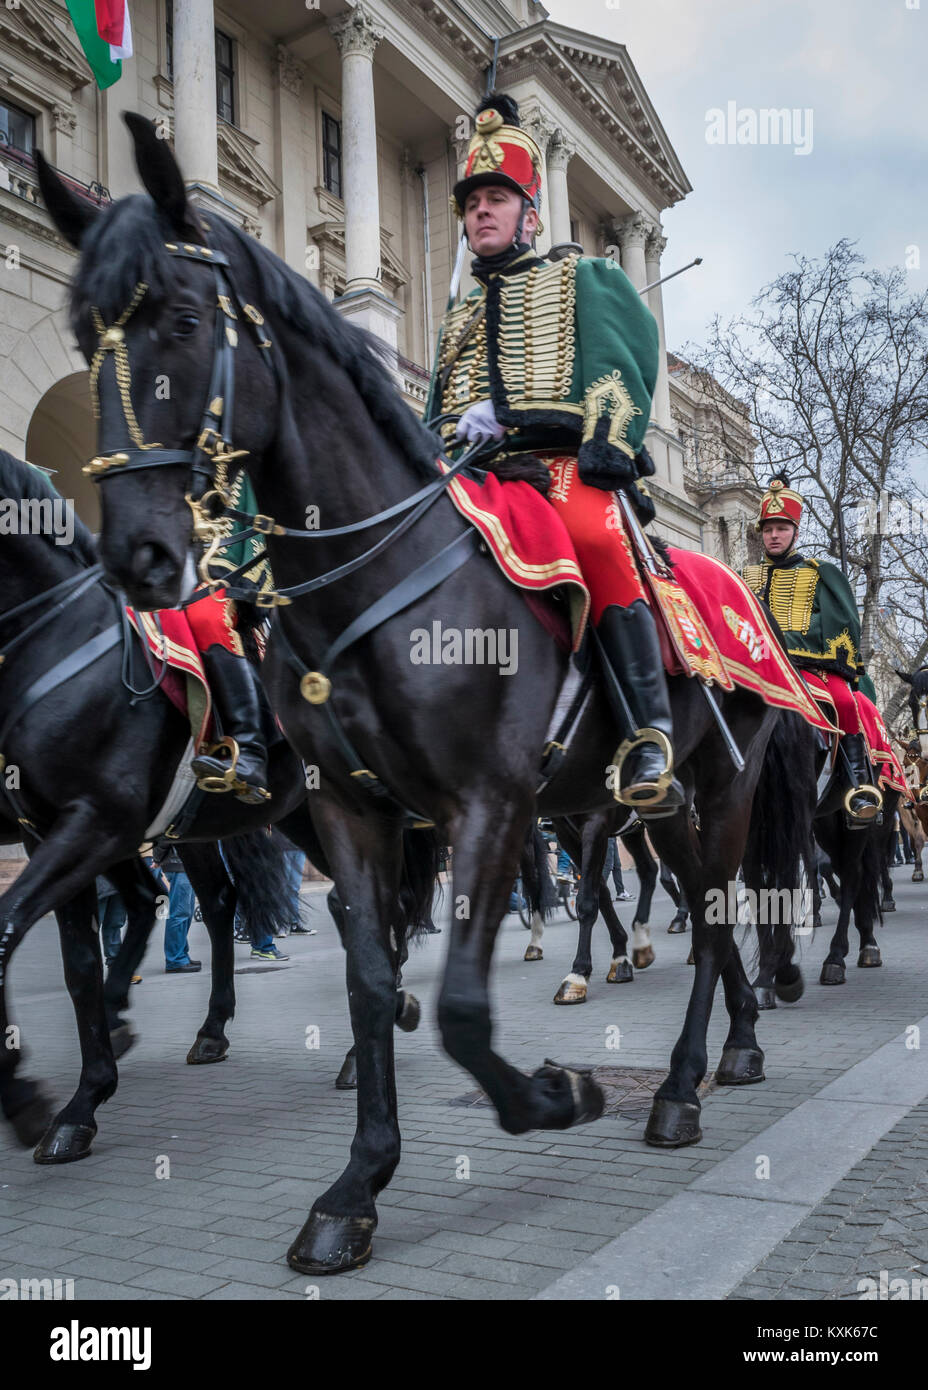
111, 914
167, 863
613, 865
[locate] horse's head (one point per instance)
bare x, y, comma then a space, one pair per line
154, 314
917, 681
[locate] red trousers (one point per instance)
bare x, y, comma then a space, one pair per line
213, 622
596, 526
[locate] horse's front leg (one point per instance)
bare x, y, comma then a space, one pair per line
487, 836
365, 855
217, 897
588, 849
844, 848
71, 1133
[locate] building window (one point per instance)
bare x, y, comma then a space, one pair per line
332, 154
17, 128
574, 230
225, 66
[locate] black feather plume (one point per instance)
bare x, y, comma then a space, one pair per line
498, 101
780, 478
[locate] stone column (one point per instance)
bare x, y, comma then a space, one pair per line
654, 249
632, 235
290, 171
560, 152
540, 126
195, 92
357, 37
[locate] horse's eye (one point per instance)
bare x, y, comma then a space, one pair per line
186, 325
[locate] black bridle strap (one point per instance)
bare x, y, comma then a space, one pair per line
65, 592
414, 586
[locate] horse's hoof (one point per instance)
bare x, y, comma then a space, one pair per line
533, 953
691, 959
888, 905
677, 926
207, 1050
918, 876
672, 1124
869, 958
409, 1015
347, 1079
31, 1122
642, 957
740, 1066
587, 1096
332, 1244
765, 996
65, 1144
571, 991
792, 991
832, 974
121, 1039
620, 972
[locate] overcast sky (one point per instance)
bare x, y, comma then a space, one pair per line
859, 66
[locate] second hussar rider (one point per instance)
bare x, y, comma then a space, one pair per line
562, 358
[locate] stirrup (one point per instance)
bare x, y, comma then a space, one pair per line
870, 812
664, 778
229, 781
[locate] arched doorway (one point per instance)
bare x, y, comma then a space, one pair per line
62, 437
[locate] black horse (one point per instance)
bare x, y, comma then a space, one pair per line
87, 766
457, 745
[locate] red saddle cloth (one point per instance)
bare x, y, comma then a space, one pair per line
170, 638
856, 714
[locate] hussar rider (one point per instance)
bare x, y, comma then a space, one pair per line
561, 359
814, 605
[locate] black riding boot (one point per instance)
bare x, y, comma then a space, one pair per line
243, 769
646, 778
863, 802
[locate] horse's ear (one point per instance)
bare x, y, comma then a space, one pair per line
903, 675
70, 214
160, 173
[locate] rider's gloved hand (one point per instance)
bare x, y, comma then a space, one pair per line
479, 422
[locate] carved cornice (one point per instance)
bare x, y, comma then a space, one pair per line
290, 70
356, 32
28, 29
239, 166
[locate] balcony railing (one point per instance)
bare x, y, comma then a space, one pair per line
705, 479
18, 176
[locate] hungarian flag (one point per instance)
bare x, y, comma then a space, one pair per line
105, 35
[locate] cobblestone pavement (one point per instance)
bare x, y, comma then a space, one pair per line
471, 1212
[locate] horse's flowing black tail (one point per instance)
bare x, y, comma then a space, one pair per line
869, 900
784, 803
537, 888
422, 851
257, 867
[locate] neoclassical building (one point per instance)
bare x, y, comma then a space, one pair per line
335, 134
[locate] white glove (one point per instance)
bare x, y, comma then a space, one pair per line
479, 422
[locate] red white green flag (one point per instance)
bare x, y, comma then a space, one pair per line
105, 35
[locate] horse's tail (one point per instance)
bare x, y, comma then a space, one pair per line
537, 888
781, 841
422, 854
258, 869
869, 902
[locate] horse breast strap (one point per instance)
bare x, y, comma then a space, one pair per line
213, 448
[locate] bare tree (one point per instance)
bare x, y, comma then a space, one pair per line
832, 363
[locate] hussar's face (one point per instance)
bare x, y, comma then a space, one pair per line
778, 536
491, 219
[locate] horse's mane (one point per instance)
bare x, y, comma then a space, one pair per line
25, 483
126, 246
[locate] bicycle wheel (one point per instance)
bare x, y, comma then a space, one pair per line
570, 900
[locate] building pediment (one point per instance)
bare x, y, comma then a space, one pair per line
29, 30
240, 167
601, 77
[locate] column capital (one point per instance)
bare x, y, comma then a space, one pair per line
540, 127
561, 150
633, 231
356, 32
290, 70
655, 245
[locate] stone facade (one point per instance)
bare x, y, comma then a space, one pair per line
393, 85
